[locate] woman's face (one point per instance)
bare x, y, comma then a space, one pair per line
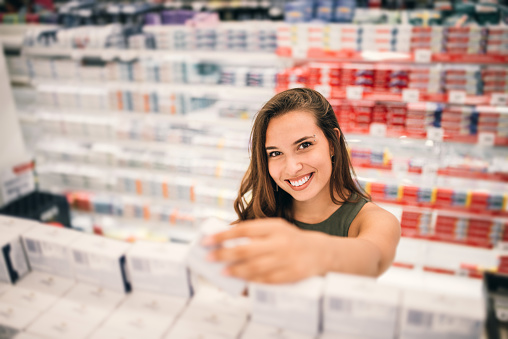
299, 156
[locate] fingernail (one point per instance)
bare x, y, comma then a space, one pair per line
226, 272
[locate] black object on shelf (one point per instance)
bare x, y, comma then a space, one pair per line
496, 301
40, 206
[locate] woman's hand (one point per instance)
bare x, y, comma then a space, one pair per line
278, 252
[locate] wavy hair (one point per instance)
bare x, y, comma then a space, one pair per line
257, 197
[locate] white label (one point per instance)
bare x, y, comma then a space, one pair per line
140, 265
400, 166
410, 95
499, 99
423, 55
377, 129
430, 170
503, 247
129, 9
457, 97
354, 92
107, 55
14, 185
435, 134
486, 139
76, 55
325, 90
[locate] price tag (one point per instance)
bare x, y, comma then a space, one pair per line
113, 9
423, 55
503, 246
435, 134
325, 90
377, 130
354, 92
499, 99
129, 9
486, 139
410, 95
429, 171
107, 55
400, 166
85, 12
76, 54
457, 97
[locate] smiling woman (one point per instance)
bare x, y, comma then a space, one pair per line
299, 202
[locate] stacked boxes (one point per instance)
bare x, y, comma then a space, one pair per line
428, 38
497, 41
465, 40
465, 78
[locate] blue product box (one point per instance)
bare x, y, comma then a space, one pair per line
325, 9
344, 10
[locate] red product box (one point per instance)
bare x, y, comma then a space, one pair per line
377, 190
444, 196
479, 201
410, 196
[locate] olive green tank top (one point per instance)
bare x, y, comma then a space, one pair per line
338, 223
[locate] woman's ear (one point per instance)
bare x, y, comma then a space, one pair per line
338, 132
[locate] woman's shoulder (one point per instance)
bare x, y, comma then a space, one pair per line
372, 215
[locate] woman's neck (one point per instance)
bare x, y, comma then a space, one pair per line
315, 211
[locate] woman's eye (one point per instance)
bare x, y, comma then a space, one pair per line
304, 145
273, 154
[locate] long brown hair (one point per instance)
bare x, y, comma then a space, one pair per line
258, 197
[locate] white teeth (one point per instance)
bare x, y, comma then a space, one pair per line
300, 182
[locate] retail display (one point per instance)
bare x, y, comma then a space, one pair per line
60, 306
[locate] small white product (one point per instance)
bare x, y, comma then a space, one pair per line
295, 307
256, 331
359, 306
13, 261
137, 324
47, 248
209, 321
154, 304
211, 298
434, 315
100, 261
159, 268
46, 283
212, 271
23, 297
95, 296
49, 326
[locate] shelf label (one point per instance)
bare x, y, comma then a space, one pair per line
354, 92
499, 99
107, 55
435, 134
486, 139
299, 52
400, 166
76, 54
325, 90
377, 130
429, 172
410, 95
16, 182
457, 97
423, 55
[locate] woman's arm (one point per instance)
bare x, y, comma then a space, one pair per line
279, 252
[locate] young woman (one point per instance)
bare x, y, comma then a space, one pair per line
298, 203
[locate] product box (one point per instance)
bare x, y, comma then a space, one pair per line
13, 261
432, 315
25, 298
359, 306
75, 312
212, 271
159, 268
49, 326
295, 307
15, 318
100, 261
95, 296
256, 331
48, 249
154, 304
211, 298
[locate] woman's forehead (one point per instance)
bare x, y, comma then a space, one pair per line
292, 124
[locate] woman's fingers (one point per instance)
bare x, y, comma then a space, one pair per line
255, 268
253, 249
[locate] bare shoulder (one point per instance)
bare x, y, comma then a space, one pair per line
370, 216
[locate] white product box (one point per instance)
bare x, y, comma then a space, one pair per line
49, 326
47, 248
154, 304
189, 330
433, 315
209, 321
13, 261
211, 298
86, 314
139, 324
256, 331
290, 306
100, 261
408, 279
359, 306
95, 296
17, 317
4, 287
23, 297
159, 268
212, 271
46, 283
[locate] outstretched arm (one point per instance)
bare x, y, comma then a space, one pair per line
279, 252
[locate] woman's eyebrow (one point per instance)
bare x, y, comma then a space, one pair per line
268, 148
